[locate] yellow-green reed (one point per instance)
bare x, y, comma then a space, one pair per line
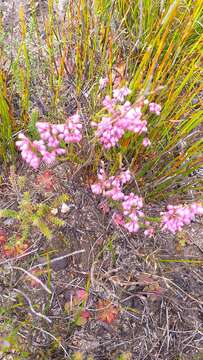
7, 122
167, 70
21, 70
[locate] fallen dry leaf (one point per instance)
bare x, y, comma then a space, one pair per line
154, 290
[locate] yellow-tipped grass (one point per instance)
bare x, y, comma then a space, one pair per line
21, 70
7, 123
168, 71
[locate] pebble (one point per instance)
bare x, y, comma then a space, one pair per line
9, 222
65, 208
60, 264
54, 211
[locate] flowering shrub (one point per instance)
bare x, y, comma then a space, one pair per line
49, 146
121, 117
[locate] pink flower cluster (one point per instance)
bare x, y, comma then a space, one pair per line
131, 215
131, 205
122, 118
176, 217
30, 150
155, 108
70, 131
111, 187
120, 93
49, 146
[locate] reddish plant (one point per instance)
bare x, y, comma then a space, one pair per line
46, 180
15, 250
106, 311
3, 237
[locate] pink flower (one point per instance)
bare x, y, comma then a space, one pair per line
131, 201
121, 93
111, 187
132, 226
30, 151
118, 219
149, 232
153, 107
103, 82
146, 142
109, 103
96, 188
176, 217
125, 177
48, 147
121, 118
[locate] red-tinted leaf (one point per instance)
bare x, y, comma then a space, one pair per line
76, 298
8, 251
81, 294
16, 250
83, 318
46, 180
106, 311
3, 237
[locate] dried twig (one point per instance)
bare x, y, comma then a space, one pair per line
140, 23
58, 258
18, 257
31, 307
53, 337
33, 277
179, 288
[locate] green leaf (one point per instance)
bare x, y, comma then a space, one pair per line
43, 228
32, 124
4, 213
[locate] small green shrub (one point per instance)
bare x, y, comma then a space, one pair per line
30, 215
